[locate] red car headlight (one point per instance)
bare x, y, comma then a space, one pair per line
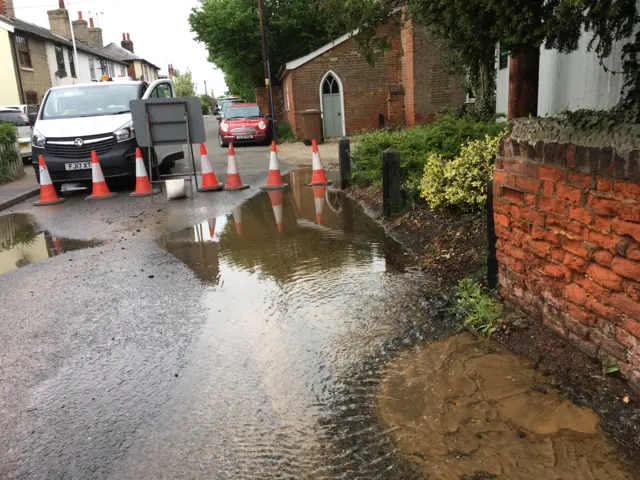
262, 125
224, 126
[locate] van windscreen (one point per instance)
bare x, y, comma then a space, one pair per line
89, 101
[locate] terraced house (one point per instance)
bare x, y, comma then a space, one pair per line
45, 58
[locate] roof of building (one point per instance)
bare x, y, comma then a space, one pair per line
298, 62
42, 32
125, 55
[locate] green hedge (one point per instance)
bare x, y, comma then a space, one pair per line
8, 153
444, 137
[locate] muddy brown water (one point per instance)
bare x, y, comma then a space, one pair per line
321, 359
23, 243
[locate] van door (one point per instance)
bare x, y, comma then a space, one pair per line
167, 154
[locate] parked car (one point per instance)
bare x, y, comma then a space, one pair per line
76, 119
244, 123
225, 103
20, 120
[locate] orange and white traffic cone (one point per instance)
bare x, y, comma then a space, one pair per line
277, 197
209, 181
100, 190
48, 195
237, 219
274, 180
143, 185
233, 181
318, 177
318, 199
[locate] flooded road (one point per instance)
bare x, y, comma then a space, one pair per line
290, 338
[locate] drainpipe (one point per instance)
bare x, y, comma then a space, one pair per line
76, 67
16, 64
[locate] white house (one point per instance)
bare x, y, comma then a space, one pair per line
568, 81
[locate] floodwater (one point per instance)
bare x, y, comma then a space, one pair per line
22, 243
308, 306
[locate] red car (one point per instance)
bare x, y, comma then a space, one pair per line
244, 123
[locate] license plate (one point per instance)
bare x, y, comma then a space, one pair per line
24, 145
244, 137
77, 166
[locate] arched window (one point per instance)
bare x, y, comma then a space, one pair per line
330, 85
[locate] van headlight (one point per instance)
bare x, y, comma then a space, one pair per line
37, 139
126, 132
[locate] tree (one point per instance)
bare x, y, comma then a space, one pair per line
183, 84
471, 30
230, 30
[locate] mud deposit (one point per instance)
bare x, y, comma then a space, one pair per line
466, 408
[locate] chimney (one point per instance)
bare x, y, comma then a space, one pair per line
6, 8
80, 29
59, 21
126, 42
95, 35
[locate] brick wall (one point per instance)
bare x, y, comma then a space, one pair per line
36, 79
568, 225
262, 99
435, 89
408, 78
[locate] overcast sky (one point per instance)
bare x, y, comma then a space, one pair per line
159, 31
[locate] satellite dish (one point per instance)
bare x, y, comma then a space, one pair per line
61, 73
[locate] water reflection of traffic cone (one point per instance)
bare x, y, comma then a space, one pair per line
212, 227
318, 177
237, 219
100, 190
209, 181
276, 198
318, 199
143, 185
48, 195
233, 177
274, 180
56, 245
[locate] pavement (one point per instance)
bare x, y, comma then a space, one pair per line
15, 192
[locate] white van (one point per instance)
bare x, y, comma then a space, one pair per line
74, 120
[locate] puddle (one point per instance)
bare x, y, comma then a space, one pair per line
307, 301
461, 407
22, 243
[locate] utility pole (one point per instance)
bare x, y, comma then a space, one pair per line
267, 69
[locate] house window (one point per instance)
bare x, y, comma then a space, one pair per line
31, 97
60, 62
504, 59
24, 57
72, 65
123, 71
104, 68
286, 94
92, 69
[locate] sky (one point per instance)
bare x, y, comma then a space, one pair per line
159, 31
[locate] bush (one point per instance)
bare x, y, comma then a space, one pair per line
8, 152
480, 311
444, 137
461, 182
206, 109
285, 132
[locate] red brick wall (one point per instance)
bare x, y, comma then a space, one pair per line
435, 89
290, 112
568, 226
366, 88
408, 78
262, 99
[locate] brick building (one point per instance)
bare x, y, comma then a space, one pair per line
408, 84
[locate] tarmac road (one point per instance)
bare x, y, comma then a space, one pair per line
192, 343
